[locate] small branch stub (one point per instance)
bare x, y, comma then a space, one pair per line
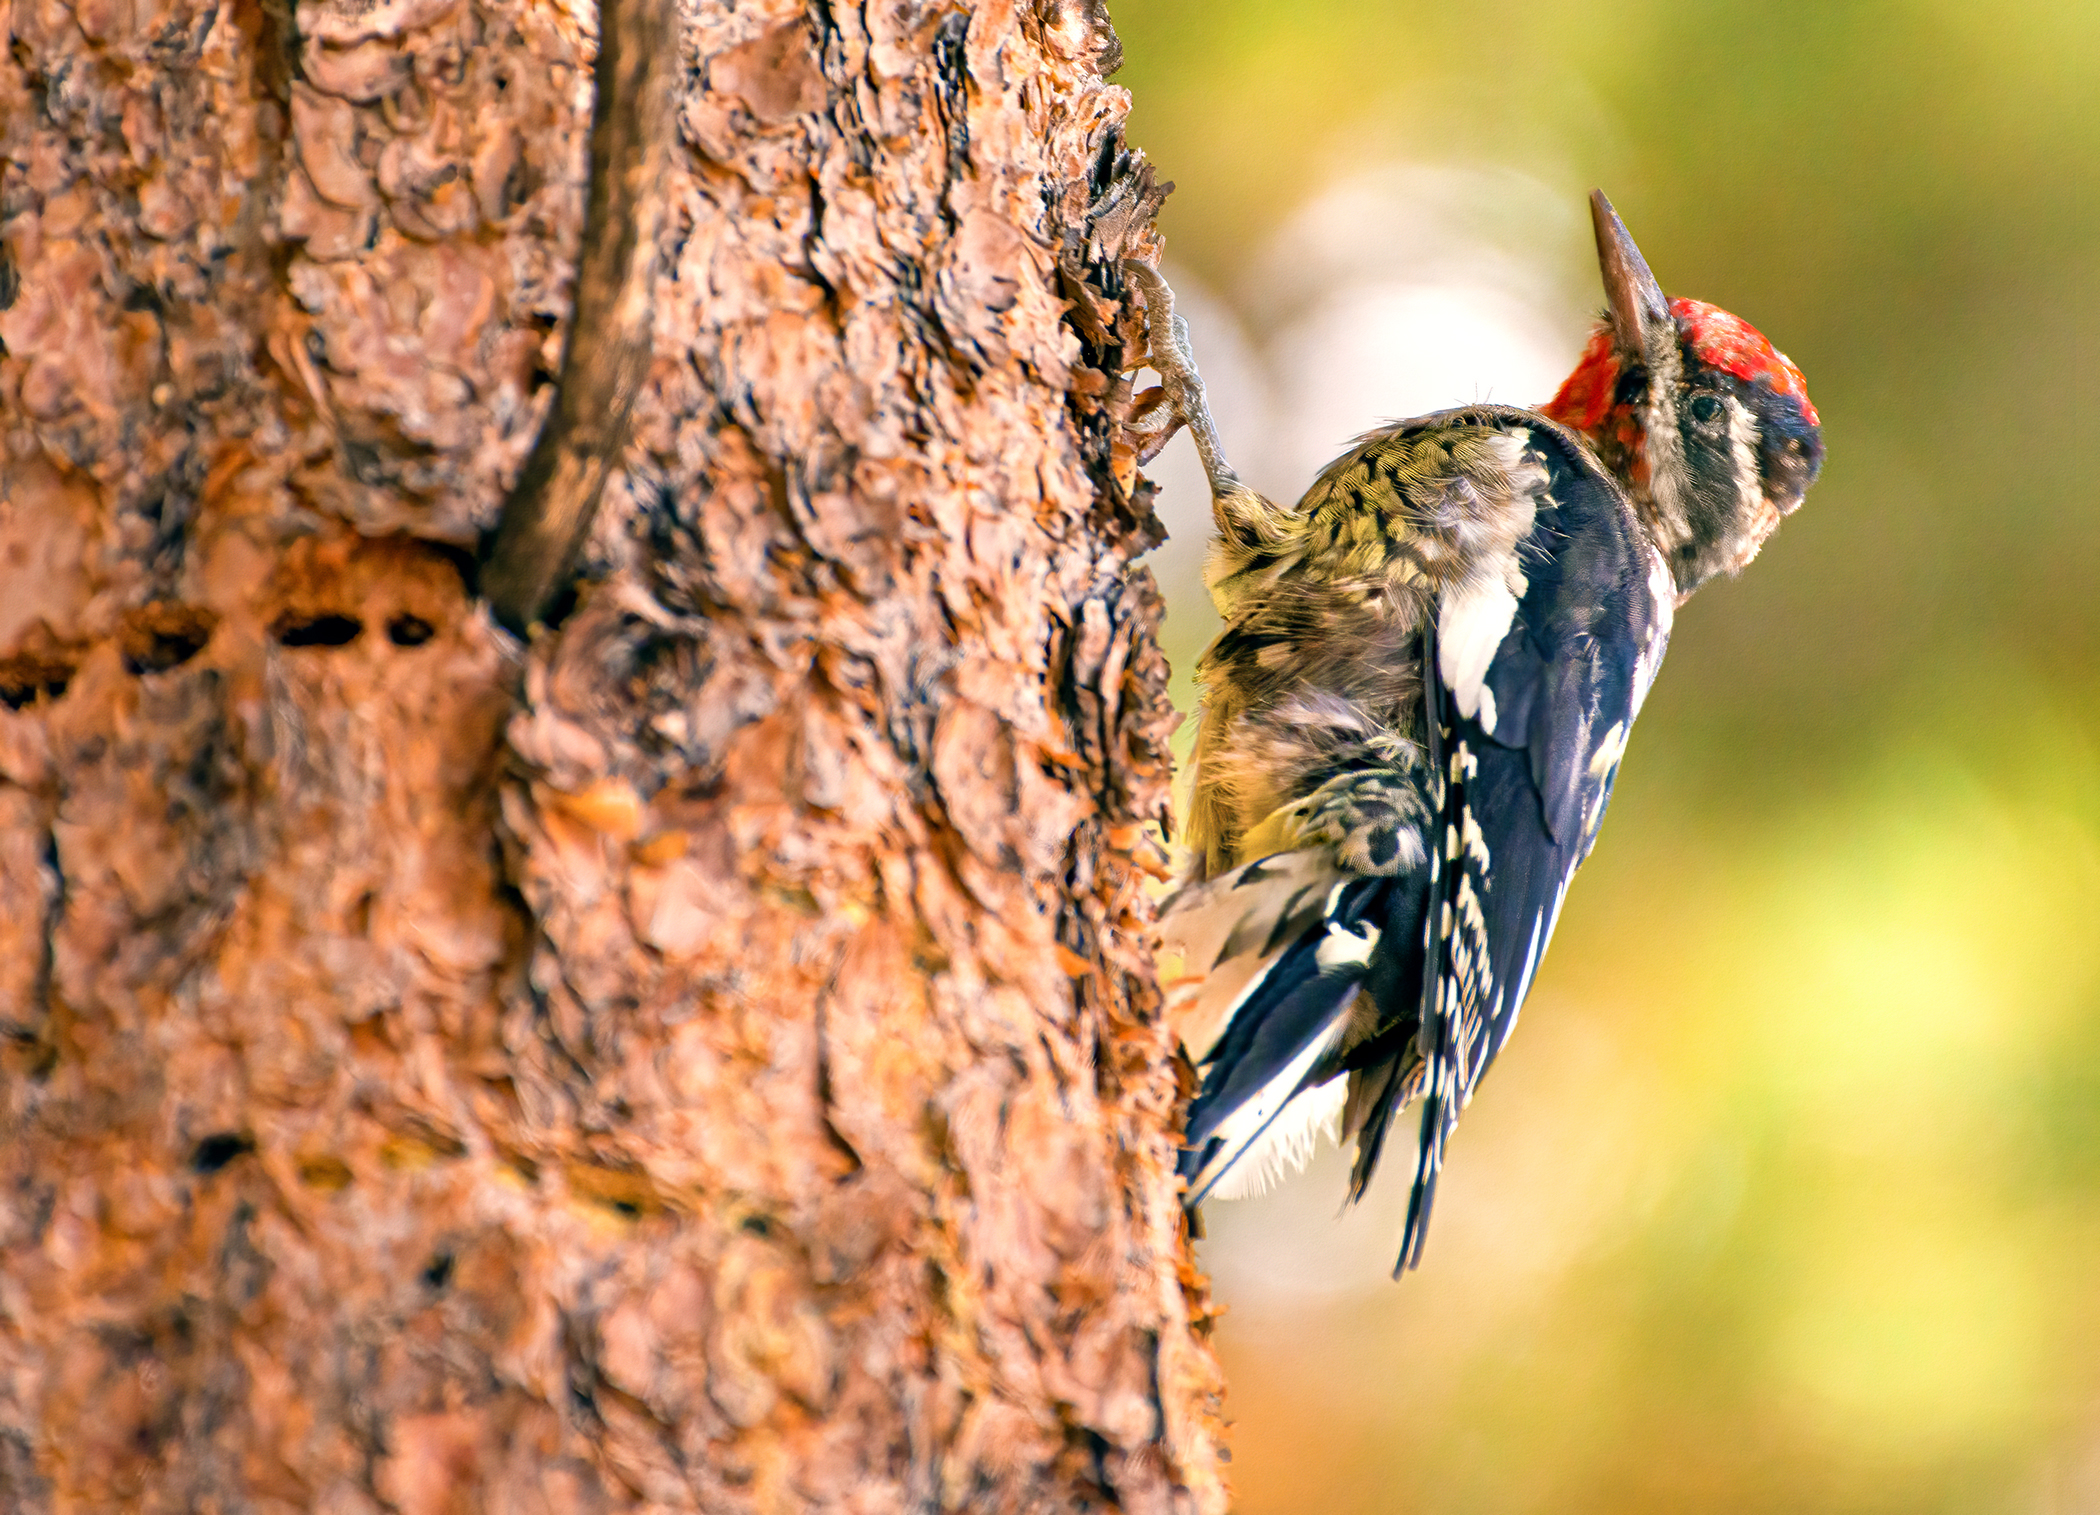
547, 518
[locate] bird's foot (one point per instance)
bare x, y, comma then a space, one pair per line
1179, 400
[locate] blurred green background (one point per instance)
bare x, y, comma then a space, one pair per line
1786, 1195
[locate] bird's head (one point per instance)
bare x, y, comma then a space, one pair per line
1707, 425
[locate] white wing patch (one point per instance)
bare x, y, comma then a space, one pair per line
1474, 614
1609, 751
1343, 948
1470, 626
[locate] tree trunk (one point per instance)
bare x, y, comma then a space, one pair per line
706, 1056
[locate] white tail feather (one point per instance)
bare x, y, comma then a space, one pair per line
1278, 1132
1288, 1145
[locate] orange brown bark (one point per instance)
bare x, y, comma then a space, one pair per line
706, 1057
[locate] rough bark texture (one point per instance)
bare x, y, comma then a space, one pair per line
708, 1057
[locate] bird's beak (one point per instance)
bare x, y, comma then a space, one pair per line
1637, 306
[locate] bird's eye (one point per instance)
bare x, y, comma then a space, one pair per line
1705, 409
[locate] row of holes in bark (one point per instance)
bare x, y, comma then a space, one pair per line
156, 644
335, 630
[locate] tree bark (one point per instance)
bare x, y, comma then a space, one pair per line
706, 1055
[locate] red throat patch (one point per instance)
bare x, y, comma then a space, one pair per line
1716, 338
1585, 398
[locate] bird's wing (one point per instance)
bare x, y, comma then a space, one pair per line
1526, 740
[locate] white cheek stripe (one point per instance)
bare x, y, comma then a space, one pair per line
1665, 447
1742, 448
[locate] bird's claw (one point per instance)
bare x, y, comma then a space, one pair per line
1179, 401
1153, 421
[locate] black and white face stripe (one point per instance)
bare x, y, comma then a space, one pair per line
1705, 447
1742, 456
1670, 471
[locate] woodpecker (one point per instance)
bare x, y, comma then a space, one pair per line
1412, 720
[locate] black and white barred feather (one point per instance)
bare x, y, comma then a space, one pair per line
1522, 785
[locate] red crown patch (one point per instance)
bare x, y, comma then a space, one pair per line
1733, 345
